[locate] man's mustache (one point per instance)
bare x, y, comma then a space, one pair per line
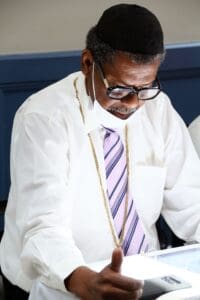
123, 110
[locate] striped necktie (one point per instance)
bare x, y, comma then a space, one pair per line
117, 186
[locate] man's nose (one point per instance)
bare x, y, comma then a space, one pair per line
131, 100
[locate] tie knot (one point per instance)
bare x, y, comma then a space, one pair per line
110, 132
112, 142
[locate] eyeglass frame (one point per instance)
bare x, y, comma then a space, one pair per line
133, 89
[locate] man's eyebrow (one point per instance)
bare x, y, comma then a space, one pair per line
114, 82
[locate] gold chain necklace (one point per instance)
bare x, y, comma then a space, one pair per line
117, 240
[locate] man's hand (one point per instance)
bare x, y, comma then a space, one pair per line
108, 284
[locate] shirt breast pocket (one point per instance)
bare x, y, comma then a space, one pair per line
148, 188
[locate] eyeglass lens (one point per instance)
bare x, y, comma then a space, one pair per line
143, 94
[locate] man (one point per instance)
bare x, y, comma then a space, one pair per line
194, 129
95, 159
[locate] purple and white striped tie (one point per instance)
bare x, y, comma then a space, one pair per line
117, 185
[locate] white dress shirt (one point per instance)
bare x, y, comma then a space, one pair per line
55, 220
194, 130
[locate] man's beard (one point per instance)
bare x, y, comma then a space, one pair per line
122, 110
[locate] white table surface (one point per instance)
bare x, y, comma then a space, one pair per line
141, 267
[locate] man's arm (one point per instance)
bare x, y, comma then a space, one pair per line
194, 130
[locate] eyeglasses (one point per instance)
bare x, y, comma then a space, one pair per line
120, 92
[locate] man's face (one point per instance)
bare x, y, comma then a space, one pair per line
122, 71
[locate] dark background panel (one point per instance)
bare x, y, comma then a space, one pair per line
24, 74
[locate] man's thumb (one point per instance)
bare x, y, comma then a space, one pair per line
117, 258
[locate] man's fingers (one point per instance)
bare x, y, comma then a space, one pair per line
117, 258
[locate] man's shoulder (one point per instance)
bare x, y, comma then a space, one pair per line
52, 98
195, 123
161, 104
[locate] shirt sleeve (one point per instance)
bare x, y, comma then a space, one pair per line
194, 130
181, 208
40, 176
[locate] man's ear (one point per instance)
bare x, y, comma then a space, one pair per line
86, 62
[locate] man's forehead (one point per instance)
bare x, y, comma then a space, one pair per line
128, 72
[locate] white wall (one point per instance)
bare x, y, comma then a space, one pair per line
58, 25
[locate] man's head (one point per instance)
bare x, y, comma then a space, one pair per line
125, 48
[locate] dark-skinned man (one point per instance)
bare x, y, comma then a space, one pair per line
95, 159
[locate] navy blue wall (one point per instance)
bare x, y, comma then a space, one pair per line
180, 78
22, 75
